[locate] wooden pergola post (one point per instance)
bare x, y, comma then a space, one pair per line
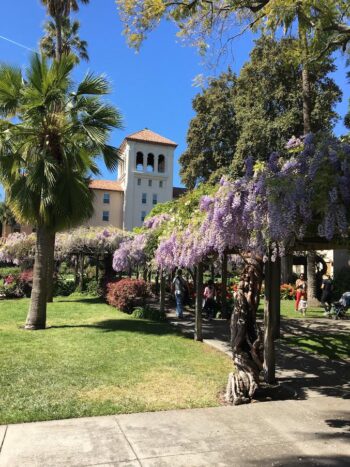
224, 283
198, 334
276, 297
270, 319
162, 293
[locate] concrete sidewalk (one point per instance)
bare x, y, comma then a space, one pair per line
288, 433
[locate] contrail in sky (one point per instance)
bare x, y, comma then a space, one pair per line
17, 43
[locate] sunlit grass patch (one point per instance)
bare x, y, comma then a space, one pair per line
94, 360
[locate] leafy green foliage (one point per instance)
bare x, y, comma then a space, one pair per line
212, 134
203, 22
269, 100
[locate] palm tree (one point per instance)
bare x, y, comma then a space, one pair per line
59, 10
71, 43
49, 151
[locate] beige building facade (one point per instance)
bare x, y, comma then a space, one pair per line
145, 178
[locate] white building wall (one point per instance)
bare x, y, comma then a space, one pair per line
133, 206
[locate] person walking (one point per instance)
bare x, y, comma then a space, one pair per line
301, 290
209, 300
180, 288
327, 290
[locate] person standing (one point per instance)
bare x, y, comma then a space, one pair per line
327, 289
180, 287
301, 290
209, 297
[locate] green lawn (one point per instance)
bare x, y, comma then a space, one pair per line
94, 360
288, 311
330, 345
326, 344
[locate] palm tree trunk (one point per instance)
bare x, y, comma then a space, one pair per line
36, 318
58, 21
311, 279
50, 267
307, 107
305, 76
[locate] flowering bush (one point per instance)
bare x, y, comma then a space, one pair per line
127, 294
17, 285
287, 292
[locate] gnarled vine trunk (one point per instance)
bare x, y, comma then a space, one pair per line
246, 337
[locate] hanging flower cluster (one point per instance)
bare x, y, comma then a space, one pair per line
156, 221
274, 204
92, 241
131, 253
18, 249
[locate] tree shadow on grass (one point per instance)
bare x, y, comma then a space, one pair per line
126, 325
87, 300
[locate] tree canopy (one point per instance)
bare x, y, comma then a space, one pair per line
198, 20
269, 99
212, 134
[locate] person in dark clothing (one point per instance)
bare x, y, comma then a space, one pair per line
327, 291
180, 288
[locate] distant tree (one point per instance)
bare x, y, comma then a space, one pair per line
6, 217
71, 42
212, 135
269, 99
60, 10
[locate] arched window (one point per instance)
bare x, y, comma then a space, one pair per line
161, 163
150, 162
139, 162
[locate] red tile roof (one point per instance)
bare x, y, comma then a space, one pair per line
148, 136
108, 185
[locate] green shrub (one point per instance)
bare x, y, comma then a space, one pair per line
147, 312
6, 271
63, 287
93, 288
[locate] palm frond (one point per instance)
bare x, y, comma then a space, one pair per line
92, 84
11, 82
111, 156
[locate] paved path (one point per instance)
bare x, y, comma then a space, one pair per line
288, 433
292, 432
301, 374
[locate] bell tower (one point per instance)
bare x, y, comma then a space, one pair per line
146, 174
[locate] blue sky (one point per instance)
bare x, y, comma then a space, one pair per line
153, 88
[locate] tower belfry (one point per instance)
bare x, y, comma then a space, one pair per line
145, 171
